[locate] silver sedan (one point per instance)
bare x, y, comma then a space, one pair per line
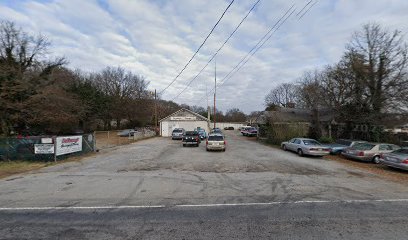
396, 159
305, 146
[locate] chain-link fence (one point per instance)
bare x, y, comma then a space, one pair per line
45, 148
108, 139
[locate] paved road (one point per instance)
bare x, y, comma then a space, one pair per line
99, 195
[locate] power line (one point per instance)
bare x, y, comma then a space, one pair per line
259, 47
307, 10
229, 75
202, 44
257, 44
219, 49
297, 14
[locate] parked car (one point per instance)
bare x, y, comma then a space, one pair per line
244, 130
396, 159
229, 128
341, 144
127, 133
250, 132
216, 130
305, 146
191, 138
202, 133
177, 133
216, 142
369, 151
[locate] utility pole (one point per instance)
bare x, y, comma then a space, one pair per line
215, 88
155, 111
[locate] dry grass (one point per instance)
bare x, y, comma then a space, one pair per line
15, 167
9, 168
111, 139
378, 169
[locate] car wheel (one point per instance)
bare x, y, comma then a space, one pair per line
223, 150
184, 145
284, 148
376, 159
207, 149
300, 152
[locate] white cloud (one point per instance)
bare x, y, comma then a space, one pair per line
157, 38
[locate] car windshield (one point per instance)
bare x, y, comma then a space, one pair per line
364, 146
215, 138
311, 142
402, 151
191, 133
177, 130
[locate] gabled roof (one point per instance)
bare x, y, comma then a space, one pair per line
200, 117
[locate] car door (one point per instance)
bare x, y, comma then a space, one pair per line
290, 144
297, 144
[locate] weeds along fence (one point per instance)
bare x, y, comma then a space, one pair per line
45, 148
278, 132
109, 139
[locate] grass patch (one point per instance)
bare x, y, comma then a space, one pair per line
8, 168
15, 167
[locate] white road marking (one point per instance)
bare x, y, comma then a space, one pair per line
199, 205
79, 207
293, 202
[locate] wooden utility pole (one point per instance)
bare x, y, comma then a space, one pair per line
215, 89
155, 111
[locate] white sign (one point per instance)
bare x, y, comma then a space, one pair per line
44, 148
46, 140
69, 144
190, 118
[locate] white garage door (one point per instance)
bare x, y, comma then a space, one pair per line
167, 127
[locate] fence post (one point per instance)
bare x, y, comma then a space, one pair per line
54, 140
94, 141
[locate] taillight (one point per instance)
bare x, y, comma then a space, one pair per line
225, 142
206, 142
405, 161
361, 154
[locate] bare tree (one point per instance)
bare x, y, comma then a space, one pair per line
382, 70
283, 95
235, 115
126, 92
23, 72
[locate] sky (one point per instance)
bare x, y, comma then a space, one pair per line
156, 38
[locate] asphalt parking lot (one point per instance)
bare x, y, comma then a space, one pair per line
159, 174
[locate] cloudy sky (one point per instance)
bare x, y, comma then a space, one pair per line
156, 39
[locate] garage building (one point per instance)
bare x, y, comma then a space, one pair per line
183, 118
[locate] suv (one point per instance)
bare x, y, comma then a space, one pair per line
191, 138
215, 142
177, 133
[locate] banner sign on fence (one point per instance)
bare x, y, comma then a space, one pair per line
69, 144
44, 148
